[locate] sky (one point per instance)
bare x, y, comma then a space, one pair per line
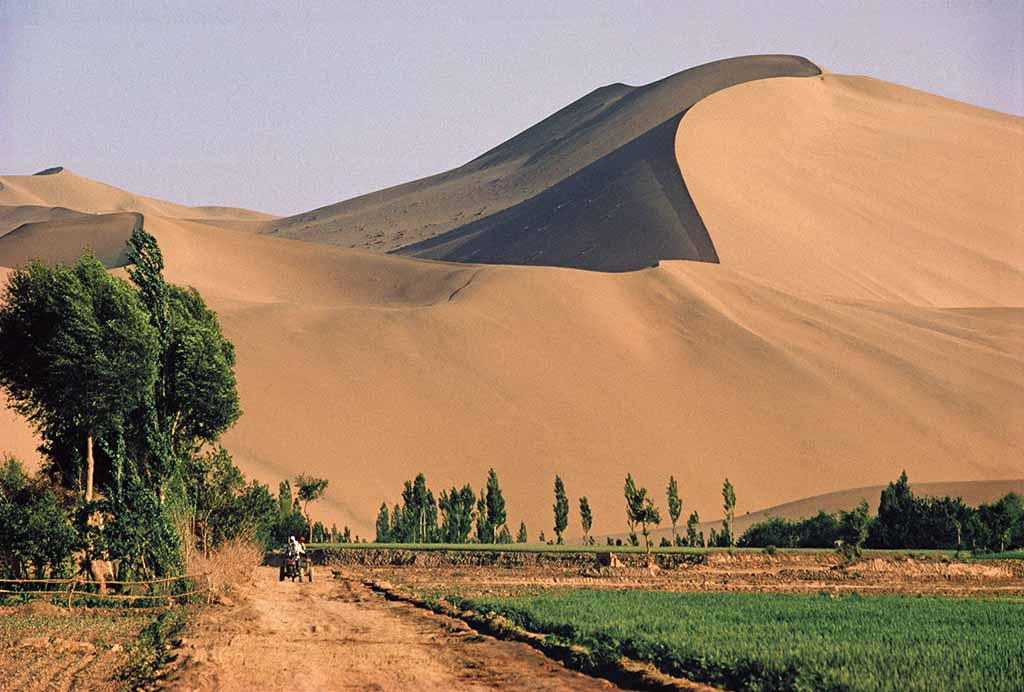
287, 106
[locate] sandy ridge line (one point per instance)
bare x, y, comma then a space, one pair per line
634, 674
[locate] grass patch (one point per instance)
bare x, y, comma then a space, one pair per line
150, 653
787, 641
1006, 555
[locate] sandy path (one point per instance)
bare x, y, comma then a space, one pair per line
339, 635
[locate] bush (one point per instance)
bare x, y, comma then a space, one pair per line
35, 530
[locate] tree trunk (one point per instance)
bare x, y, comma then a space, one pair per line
89, 465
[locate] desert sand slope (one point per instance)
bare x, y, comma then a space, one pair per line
64, 239
854, 187
593, 186
59, 187
368, 368
13, 216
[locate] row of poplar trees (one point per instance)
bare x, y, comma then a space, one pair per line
642, 512
450, 518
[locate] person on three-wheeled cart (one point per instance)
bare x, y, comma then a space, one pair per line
296, 564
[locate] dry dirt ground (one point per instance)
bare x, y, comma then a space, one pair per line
336, 634
749, 571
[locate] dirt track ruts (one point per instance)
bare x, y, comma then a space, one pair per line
338, 635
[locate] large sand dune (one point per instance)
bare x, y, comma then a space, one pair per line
820, 354
849, 186
594, 186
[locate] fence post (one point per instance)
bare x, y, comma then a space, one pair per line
71, 593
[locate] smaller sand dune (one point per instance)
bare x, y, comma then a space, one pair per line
65, 239
13, 216
60, 187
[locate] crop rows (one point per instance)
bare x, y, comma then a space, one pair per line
78, 650
789, 642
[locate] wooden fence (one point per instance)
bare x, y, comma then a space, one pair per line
160, 591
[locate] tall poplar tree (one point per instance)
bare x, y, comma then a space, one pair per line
675, 507
729, 505
561, 509
586, 519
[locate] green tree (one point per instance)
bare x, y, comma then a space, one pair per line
398, 530
496, 517
898, 513
853, 527
691, 530
640, 510
419, 512
729, 505
484, 529
383, 524
77, 355
213, 486
675, 507
561, 509
504, 536
586, 519
35, 530
648, 516
284, 498
457, 514
194, 397
310, 489
521, 536
634, 506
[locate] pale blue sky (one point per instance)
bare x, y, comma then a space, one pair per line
263, 105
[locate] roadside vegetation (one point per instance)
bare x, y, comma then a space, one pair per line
903, 522
130, 385
784, 641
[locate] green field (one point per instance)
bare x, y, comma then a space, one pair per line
788, 642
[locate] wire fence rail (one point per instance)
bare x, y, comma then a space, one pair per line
159, 593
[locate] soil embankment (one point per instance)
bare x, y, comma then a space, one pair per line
496, 572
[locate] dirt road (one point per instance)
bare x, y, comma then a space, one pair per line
338, 635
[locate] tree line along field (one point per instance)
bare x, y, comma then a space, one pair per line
752, 642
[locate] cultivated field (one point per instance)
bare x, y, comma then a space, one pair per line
740, 620
787, 641
43, 647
